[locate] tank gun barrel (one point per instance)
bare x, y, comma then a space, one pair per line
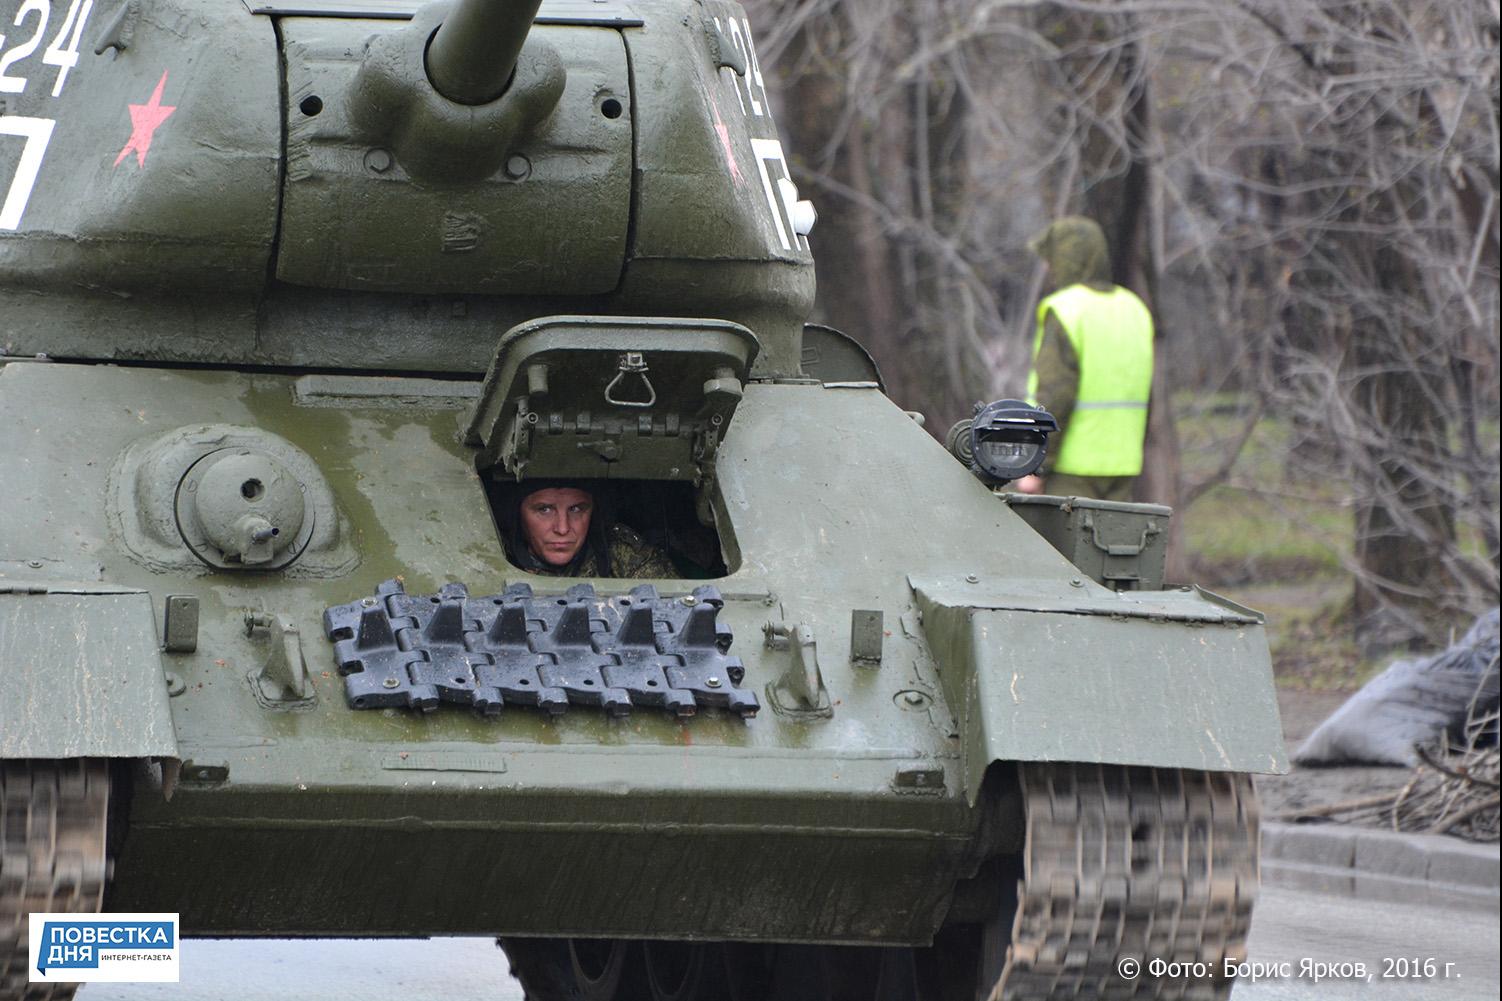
473, 54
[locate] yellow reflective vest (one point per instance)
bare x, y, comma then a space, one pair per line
1112, 336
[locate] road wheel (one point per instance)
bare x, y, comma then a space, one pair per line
685, 971
607, 969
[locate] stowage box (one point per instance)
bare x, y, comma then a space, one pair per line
1120, 545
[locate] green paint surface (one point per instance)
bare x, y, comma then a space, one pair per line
265, 262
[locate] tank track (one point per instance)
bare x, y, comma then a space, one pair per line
52, 835
1131, 864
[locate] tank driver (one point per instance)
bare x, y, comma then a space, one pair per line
561, 529
1092, 367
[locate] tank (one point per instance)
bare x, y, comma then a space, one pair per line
304, 302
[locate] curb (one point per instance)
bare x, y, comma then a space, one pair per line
1382, 865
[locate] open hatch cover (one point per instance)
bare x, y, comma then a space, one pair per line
645, 398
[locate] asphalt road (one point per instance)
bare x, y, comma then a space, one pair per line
1289, 928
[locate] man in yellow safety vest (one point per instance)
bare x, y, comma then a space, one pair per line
1092, 367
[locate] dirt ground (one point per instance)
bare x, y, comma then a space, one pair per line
1283, 796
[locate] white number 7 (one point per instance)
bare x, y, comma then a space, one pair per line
37, 132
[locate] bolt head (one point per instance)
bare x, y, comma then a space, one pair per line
378, 160
713, 682
518, 167
390, 683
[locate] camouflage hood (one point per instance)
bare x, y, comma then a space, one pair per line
1075, 249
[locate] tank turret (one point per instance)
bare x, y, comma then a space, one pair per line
388, 185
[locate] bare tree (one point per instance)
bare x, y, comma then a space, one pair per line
1306, 192
1353, 156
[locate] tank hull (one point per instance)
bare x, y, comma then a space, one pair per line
314, 818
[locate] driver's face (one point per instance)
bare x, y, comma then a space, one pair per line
555, 523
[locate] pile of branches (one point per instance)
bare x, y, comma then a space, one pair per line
1456, 789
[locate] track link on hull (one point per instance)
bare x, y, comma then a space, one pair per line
52, 836
1131, 863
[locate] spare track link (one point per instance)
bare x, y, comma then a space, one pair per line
1131, 863
52, 831
555, 651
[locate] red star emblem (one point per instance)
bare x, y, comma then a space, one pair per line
723, 132
144, 120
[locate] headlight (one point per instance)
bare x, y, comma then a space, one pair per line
1004, 441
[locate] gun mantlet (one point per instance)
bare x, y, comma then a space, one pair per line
437, 136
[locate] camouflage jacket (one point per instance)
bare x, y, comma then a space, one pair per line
631, 556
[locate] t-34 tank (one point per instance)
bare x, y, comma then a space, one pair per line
305, 303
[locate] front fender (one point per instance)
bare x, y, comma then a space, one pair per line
80, 674
1167, 679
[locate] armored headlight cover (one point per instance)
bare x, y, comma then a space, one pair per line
1006, 440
